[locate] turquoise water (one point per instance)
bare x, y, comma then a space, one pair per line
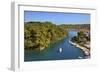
52, 52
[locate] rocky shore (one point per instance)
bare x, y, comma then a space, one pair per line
84, 49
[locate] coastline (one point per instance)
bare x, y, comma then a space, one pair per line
85, 50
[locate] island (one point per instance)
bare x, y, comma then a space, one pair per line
82, 41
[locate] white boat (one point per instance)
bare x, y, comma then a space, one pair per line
60, 50
80, 57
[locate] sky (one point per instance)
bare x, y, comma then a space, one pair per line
57, 17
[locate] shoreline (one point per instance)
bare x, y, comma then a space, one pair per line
85, 50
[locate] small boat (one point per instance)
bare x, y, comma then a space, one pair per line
80, 57
60, 50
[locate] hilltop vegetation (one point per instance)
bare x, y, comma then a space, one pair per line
75, 26
38, 35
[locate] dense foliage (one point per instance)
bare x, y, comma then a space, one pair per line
81, 38
38, 35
